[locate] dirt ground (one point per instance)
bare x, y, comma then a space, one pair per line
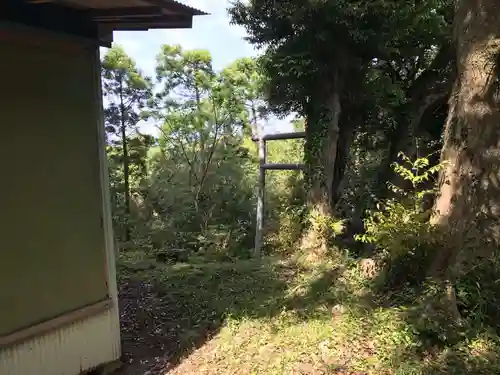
152, 343
148, 344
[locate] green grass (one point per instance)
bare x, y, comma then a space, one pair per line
273, 317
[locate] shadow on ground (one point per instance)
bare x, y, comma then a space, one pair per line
169, 311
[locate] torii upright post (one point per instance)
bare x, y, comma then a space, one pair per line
260, 195
261, 139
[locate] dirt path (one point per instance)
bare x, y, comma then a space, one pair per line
168, 319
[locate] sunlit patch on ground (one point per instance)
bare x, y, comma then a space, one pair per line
276, 317
249, 317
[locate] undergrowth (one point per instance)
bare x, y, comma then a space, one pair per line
414, 323
342, 314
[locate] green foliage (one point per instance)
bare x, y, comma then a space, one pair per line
126, 92
399, 229
298, 37
192, 188
478, 294
200, 180
398, 220
187, 72
325, 226
285, 196
383, 63
417, 172
373, 57
418, 324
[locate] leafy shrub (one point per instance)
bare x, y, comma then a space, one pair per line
404, 240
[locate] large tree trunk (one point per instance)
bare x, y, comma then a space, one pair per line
351, 119
321, 148
322, 134
346, 133
469, 187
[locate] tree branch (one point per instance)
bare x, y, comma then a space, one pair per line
212, 151
183, 149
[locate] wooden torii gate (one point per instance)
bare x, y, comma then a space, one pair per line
263, 167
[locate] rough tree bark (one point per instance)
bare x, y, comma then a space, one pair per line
323, 157
346, 133
322, 133
469, 186
351, 118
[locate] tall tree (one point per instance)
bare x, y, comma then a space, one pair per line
246, 81
317, 54
186, 79
126, 92
203, 111
469, 187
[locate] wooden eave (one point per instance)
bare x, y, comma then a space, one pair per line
97, 19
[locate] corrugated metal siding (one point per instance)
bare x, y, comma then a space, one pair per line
70, 350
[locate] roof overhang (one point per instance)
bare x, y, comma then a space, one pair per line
97, 19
